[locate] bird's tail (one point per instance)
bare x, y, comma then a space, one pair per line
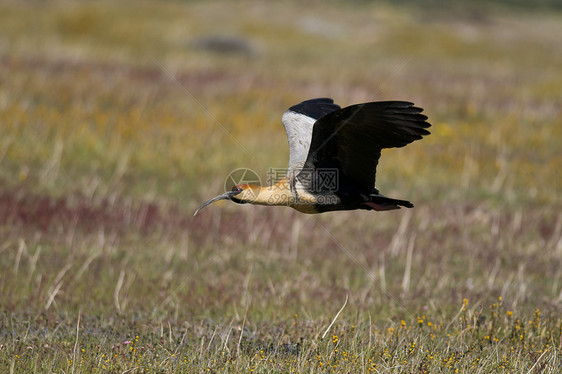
380, 203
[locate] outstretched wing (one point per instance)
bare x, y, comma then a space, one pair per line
299, 121
351, 139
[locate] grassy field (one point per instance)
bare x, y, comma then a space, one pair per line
118, 120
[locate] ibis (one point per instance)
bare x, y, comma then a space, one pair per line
333, 156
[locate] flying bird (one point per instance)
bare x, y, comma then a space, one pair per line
333, 156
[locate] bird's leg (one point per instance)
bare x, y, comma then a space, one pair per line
381, 208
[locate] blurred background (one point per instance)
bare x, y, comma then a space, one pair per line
177, 94
118, 119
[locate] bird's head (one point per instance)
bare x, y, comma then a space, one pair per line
240, 194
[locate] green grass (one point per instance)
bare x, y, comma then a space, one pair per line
115, 126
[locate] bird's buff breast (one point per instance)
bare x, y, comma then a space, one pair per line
281, 195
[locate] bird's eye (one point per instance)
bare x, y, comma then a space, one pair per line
236, 189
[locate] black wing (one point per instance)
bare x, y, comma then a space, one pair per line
315, 108
351, 139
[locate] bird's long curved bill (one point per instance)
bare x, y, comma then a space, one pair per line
225, 196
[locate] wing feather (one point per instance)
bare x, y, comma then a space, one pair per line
351, 139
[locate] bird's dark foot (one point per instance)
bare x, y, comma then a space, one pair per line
381, 203
382, 207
